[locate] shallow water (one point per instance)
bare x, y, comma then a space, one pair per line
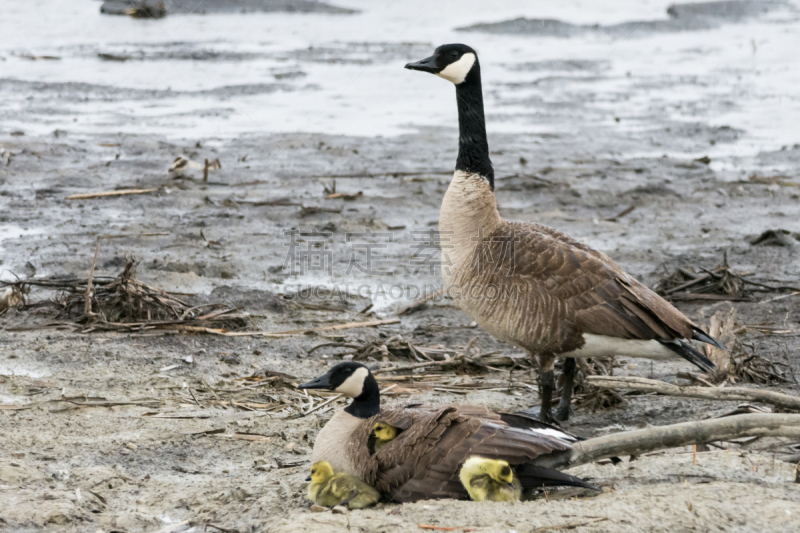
343, 74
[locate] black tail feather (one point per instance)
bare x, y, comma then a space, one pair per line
685, 349
700, 335
536, 477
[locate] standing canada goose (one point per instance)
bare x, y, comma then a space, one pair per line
423, 461
531, 285
328, 489
490, 480
382, 434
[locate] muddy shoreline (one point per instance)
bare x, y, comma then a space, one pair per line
147, 431
126, 457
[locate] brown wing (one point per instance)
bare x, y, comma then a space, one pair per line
423, 462
421, 425
565, 282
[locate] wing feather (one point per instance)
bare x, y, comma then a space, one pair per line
567, 283
423, 462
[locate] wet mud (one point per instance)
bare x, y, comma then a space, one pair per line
151, 432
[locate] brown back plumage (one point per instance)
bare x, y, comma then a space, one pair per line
560, 289
424, 460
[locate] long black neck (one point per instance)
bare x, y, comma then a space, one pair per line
368, 404
473, 147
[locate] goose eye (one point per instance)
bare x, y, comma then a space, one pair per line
454, 53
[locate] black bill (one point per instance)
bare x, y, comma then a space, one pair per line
425, 65
322, 382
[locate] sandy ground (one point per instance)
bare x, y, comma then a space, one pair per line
166, 456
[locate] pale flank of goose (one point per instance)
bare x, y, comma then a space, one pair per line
531, 285
424, 459
329, 489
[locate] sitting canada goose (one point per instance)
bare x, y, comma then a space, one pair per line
424, 460
328, 489
531, 285
490, 479
382, 434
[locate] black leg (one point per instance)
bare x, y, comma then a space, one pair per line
563, 412
547, 382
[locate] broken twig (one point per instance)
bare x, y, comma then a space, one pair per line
109, 193
290, 332
570, 525
779, 399
87, 308
417, 305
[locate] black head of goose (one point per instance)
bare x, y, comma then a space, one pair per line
531, 285
458, 63
432, 443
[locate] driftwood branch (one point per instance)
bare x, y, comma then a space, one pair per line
675, 435
779, 399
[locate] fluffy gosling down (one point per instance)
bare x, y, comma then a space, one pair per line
328, 489
382, 434
490, 480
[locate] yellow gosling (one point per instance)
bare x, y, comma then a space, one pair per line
490, 480
329, 489
383, 433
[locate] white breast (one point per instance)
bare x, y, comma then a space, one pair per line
331, 443
468, 212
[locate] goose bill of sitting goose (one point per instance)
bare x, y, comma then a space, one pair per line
531, 285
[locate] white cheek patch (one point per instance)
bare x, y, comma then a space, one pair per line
457, 72
354, 385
